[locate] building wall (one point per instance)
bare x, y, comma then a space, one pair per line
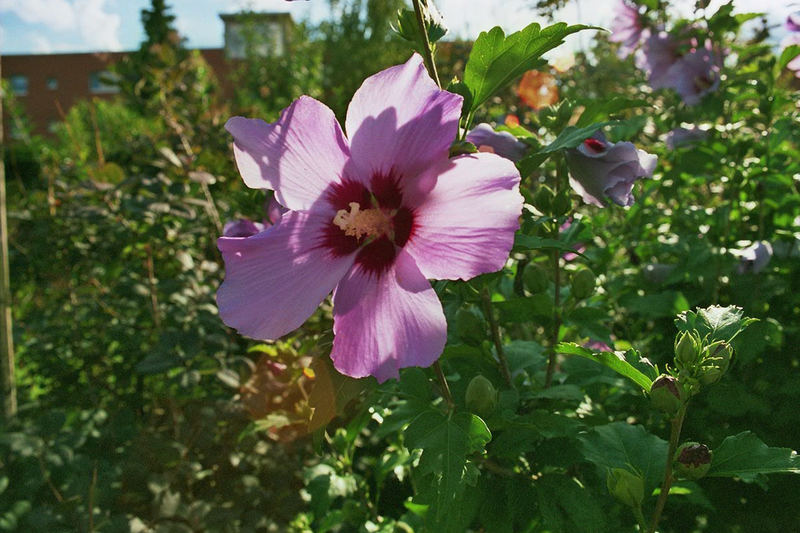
72, 74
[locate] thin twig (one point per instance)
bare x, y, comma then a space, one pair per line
444, 386
551, 362
674, 437
427, 50
498, 341
151, 281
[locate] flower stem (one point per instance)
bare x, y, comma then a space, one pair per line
445, 387
498, 342
674, 437
426, 44
551, 362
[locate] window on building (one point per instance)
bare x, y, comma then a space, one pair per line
52, 83
19, 84
103, 82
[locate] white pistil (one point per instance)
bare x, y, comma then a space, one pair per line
357, 223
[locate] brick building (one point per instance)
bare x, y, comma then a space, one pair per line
47, 85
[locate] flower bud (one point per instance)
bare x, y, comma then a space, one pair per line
583, 282
666, 394
481, 396
625, 486
715, 362
692, 460
687, 350
535, 279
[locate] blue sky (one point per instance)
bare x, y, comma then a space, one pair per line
52, 26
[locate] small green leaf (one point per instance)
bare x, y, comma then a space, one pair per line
745, 456
572, 136
789, 53
716, 322
496, 59
607, 359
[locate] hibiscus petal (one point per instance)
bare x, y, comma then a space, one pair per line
465, 225
275, 279
387, 322
299, 156
400, 121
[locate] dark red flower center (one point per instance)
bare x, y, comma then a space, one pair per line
371, 221
595, 145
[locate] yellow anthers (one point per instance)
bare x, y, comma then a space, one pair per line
357, 223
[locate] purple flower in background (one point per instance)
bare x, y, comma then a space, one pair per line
793, 22
597, 346
241, 227
626, 28
695, 74
754, 258
657, 54
244, 227
599, 169
502, 143
372, 215
684, 136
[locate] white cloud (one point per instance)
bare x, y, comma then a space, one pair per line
58, 15
87, 19
98, 28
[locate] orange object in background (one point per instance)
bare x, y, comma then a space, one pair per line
512, 121
538, 89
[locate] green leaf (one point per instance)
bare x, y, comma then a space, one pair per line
745, 456
496, 59
716, 322
568, 506
609, 360
445, 442
621, 445
572, 136
524, 242
789, 53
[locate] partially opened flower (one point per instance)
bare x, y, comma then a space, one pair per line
371, 217
502, 143
626, 28
600, 170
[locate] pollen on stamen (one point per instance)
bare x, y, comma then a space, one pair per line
357, 223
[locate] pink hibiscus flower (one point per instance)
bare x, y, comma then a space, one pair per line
371, 216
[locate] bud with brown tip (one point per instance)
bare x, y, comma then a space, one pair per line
692, 460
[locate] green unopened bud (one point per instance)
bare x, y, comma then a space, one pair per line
543, 199
470, 326
715, 362
687, 350
692, 460
481, 396
666, 394
535, 279
583, 282
625, 486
